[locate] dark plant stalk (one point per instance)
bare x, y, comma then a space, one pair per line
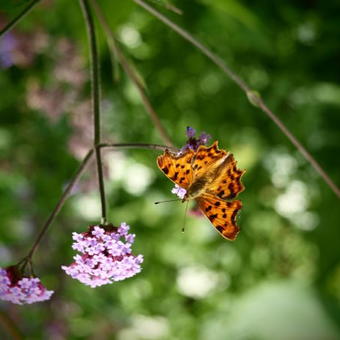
95, 86
74, 180
131, 74
14, 21
252, 95
8, 325
60, 203
167, 5
144, 146
186, 35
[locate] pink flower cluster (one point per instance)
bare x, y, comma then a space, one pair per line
24, 290
104, 258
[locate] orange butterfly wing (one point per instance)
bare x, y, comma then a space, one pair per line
227, 182
220, 168
221, 214
177, 168
206, 158
217, 168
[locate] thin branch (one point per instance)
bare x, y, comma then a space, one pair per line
14, 21
95, 85
169, 6
186, 35
77, 175
252, 95
131, 74
144, 146
10, 327
300, 147
61, 202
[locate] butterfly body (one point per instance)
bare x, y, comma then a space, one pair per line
202, 183
196, 189
209, 176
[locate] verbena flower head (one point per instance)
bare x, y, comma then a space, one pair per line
105, 255
20, 290
193, 143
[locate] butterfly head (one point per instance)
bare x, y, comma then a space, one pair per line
185, 197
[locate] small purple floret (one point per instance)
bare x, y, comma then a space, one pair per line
191, 132
25, 290
105, 256
180, 192
204, 138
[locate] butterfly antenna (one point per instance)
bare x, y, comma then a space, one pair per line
174, 200
185, 214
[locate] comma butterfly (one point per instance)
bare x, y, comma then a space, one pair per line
209, 176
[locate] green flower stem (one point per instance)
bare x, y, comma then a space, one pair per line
76, 177
144, 146
95, 85
13, 22
252, 96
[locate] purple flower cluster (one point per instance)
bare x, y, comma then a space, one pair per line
24, 290
193, 143
104, 258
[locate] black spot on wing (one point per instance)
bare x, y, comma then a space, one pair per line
221, 194
220, 229
233, 216
212, 217
175, 176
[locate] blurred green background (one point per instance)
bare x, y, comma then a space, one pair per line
281, 278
